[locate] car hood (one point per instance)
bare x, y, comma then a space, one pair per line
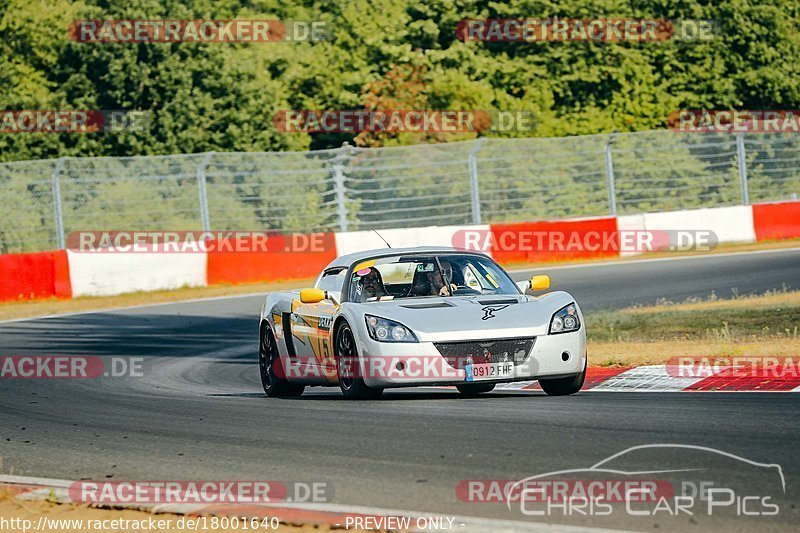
472, 317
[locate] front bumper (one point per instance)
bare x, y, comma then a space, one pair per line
386, 365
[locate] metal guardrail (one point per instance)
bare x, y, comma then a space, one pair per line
483, 181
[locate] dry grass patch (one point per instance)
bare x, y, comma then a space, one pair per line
659, 353
763, 325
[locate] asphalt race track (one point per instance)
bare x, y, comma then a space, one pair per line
198, 411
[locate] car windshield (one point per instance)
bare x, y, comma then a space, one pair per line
418, 276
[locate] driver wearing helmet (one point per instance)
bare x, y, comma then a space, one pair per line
370, 285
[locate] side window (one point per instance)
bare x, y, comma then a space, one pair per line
332, 281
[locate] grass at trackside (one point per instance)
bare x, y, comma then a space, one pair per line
763, 325
772, 315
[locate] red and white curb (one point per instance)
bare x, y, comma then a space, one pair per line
665, 378
332, 515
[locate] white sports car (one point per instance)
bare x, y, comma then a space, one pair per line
420, 316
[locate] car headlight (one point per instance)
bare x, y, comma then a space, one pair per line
385, 330
565, 320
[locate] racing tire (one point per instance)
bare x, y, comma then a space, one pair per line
564, 386
274, 385
347, 367
473, 390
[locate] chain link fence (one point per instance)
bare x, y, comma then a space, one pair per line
482, 181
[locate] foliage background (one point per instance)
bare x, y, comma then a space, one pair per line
384, 54
222, 97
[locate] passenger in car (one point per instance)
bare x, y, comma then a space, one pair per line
433, 283
442, 280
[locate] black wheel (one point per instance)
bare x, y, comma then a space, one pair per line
347, 368
564, 386
474, 389
274, 383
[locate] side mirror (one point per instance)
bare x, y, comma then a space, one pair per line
334, 297
312, 296
540, 283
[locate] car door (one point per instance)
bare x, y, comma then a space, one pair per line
311, 324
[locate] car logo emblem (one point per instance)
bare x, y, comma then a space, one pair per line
489, 310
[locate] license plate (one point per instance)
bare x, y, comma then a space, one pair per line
489, 371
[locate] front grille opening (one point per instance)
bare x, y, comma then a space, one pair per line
457, 354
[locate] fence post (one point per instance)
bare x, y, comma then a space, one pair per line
57, 202
742, 163
472, 162
612, 189
339, 186
201, 185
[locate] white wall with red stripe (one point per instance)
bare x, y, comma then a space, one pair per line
69, 274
